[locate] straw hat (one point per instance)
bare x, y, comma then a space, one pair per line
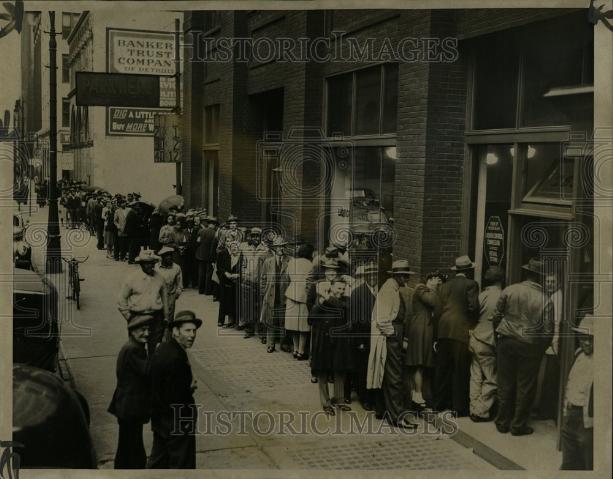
146, 256
586, 326
463, 263
401, 266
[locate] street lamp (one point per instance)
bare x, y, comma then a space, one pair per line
54, 246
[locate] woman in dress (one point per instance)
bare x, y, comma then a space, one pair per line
296, 311
419, 354
228, 266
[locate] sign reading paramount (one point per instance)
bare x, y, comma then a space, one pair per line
140, 52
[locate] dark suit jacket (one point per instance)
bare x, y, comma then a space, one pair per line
132, 397
361, 304
171, 380
459, 309
206, 249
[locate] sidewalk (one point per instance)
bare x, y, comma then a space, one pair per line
236, 374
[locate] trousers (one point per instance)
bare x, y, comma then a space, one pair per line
173, 451
483, 384
130, 448
452, 376
393, 385
518, 366
577, 442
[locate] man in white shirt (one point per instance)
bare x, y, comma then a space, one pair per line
144, 292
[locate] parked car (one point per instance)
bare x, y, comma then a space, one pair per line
50, 418
22, 251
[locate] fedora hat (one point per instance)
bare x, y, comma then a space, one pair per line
232, 218
586, 326
139, 320
462, 263
330, 264
365, 269
494, 274
165, 250
185, 317
534, 265
401, 266
278, 241
146, 256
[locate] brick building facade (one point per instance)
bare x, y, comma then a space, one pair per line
469, 154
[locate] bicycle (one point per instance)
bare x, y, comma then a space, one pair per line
73, 278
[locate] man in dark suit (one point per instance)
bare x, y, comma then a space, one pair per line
173, 414
459, 312
361, 304
205, 255
131, 399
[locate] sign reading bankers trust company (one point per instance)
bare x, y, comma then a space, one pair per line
141, 52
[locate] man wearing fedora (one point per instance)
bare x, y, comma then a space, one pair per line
173, 277
578, 418
459, 312
132, 397
274, 282
361, 304
385, 359
206, 252
253, 253
523, 325
229, 233
173, 413
144, 292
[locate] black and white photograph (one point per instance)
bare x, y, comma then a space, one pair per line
306, 237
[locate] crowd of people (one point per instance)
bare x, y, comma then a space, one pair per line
363, 324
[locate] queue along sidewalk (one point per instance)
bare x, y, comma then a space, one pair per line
237, 375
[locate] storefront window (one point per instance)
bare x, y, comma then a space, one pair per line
362, 198
368, 101
372, 110
496, 69
390, 100
548, 175
558, 59
339, 105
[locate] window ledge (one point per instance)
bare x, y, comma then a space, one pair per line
569, 90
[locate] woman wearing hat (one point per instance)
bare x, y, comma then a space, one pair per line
131, 402
228, 270
296, 312
420, 333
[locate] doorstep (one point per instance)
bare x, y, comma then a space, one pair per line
537, 451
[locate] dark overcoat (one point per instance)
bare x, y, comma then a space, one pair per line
132, 397
171, 380
330, 332
273, 285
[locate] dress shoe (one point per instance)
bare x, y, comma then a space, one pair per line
524, 431
367, 407
475, 418
502, 429
404, 425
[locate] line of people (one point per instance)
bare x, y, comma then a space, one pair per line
404, 347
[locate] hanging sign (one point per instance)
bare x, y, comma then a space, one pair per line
494, 241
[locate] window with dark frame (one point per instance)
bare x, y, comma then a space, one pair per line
65, 112
211, 124
363, 102
65, 69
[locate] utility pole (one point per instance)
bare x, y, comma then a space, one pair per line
179, 186
54, 245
